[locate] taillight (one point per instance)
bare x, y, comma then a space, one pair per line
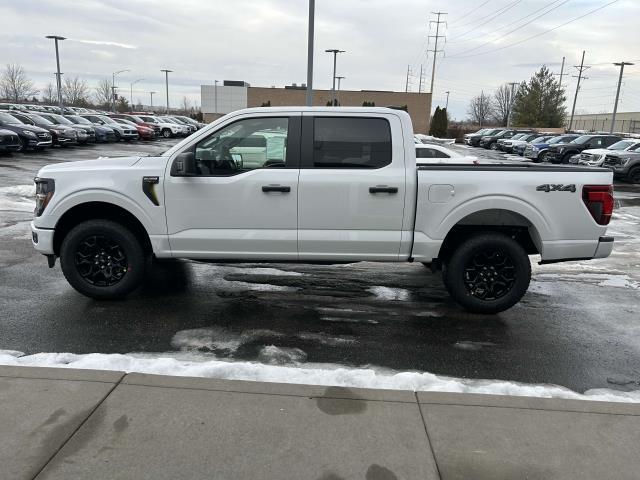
599, 202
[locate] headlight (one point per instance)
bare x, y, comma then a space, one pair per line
44, 191
534, 148
624, 160
29, 133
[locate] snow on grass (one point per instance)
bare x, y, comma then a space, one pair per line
18, 198
309, 374
389, 293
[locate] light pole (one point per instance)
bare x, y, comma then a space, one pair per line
113, 86
58, 75
339, 79
615, 106
166, 81
151, 93
131, 93
335, 52
215, 96
446, 105
511, 99
312, 7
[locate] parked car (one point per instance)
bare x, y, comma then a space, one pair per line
428, 154
192, 128
490, 141
481, 222
138, 121
122, 132
519, 147
30, 136
9, 141
9, 106
184, 130
167, 129
86, 133
522, 139
595, 157
473, 139
62, 135
562, 152
190, 120
538, 151
145, 133
625, 164
103, 132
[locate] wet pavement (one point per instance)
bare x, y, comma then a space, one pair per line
579, 325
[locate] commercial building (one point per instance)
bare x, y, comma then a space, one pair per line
218, 100
626, 122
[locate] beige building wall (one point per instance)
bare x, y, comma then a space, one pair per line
626, 122
418, 104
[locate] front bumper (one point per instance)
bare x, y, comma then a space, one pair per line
42, 239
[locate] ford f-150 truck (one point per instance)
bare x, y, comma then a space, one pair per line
330, 185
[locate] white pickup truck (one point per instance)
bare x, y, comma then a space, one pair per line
330, 185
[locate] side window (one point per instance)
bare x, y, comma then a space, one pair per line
242, 146
609, 141
340, 142
596, 143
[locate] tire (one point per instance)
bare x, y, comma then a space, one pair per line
634, 175
542, 158
94, 240
493, 255
566, 157
166, 133
493, 146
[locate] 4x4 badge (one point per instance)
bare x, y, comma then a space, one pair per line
556, 188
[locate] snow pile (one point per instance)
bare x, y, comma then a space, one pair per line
217, 340
310, 374
388, 293
19, 198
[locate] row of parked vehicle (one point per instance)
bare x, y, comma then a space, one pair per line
35, 127
622, 155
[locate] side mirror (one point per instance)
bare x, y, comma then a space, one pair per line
184, 165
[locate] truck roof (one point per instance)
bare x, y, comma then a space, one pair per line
300, 108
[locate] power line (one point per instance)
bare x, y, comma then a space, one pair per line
511, 31
541, 33
484, 20
471, 11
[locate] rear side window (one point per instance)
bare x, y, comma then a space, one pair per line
430, 153
340, 142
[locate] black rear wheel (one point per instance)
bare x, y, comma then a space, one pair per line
102, 259
488, 273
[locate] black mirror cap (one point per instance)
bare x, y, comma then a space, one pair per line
184, 165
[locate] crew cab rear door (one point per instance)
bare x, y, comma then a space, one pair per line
242, 203
351, 194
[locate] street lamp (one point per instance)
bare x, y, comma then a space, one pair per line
166, 77
113, 86
55, 39
215, 96
151, 93
335, 52
131, 93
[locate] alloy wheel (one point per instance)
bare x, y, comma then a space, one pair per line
489, 274
101, 261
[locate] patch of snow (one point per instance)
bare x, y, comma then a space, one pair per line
273, 355
18, 198
619, 281
265, 271
389, 293
324, 339
217, 340
309, 374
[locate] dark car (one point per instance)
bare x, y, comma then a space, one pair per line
9, 141
86, 133
562, 152
507, 144
625, 164
519, 148
490, 141
473, 139
138, 121
30, 136
193, 122
122, 132
537, 151
103, 133
62, 135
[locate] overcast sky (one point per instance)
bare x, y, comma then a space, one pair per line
264, 42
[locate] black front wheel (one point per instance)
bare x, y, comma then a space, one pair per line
634, 175
102, 259
488, 273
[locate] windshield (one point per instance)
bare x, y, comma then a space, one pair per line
538, 140
634, 147
61, 119
169, 120
79, 120
581, 140
135, 118
108, 120
149, 119
492, 132
6, 118
40, 121
621, 145
518, 136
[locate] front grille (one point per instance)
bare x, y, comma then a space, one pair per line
610, 161
43, 135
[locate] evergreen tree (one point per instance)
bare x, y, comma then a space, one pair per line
540, 102
439, 123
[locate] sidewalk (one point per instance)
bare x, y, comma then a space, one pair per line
86, 424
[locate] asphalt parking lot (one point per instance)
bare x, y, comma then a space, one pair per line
579, 325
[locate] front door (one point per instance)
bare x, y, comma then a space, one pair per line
243, 200
352, 188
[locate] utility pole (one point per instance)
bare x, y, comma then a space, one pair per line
151, 93
55, 38
131, 93
421, 80
446, 105
113, 86
166, 80
581, 69
435, 51
406, 86
339, 79
335, 52
511, 98
615, 106
312, 6
561, 74
215, 96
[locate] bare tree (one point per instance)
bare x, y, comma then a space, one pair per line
14, 84
49, 94
186, 105
75, 92
480, 108
104, 93
502, 102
